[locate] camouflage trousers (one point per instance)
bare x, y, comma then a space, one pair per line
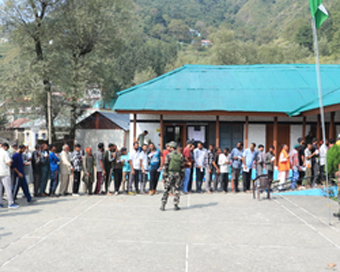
173, 180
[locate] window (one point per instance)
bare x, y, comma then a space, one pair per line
37, 136
43, 136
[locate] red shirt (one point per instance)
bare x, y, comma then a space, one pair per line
187, 154
166, 152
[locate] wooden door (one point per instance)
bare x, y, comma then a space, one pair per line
283, 137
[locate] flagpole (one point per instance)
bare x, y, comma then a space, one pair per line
318, 78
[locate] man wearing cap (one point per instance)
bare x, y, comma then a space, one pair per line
173, 172
188, 162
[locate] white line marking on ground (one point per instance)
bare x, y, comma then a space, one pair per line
303, 209
187, 258
27, 234
307, 224
51, 233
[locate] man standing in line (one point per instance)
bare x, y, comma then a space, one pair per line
173, 174
77, 159
126, 169
5, 177
45, 169
224, 162
248, 158
88, 169
294, 164
108, 161
302, 143
36, 165
269, 160
284, 166
209, 168
141, 138
308, 162
19, 175
259, 160
236, 157
65, 170
54, 166
187, 168
144, 166
315, 163
99, 156
155, 157
117, 169
200, 154
135, 169
217, 169
323, 158
192, 148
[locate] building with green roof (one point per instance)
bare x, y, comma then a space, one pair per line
265, 104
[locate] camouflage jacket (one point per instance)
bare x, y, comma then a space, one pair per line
167, 162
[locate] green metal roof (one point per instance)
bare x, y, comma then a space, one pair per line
329, 99
282, 88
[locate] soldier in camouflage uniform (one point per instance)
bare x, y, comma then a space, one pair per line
173, 173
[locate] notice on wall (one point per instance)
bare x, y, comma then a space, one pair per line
196, 133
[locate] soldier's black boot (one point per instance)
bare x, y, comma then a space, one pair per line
177, 208
337, 215
162, 208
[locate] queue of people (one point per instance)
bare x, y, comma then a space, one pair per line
130, 173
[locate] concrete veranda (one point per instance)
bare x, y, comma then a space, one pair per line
214, 232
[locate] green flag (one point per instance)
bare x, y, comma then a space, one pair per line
318, 11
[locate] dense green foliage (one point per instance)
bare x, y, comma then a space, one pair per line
333, 159
114, 44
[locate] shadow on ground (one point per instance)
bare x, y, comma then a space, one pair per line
200, 206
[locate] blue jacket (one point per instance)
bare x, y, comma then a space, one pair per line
54, 162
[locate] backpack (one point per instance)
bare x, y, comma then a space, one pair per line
175, 164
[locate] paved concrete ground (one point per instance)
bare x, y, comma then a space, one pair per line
215, 232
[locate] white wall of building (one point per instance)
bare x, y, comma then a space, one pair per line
295, 133
154, 129
91, 138
256, 134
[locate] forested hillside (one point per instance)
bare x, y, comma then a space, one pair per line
165, 34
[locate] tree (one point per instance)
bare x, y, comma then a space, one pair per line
27, 24
89, 32
144, 75
304, 36
226, 49
179, 29
270, 53
265, 35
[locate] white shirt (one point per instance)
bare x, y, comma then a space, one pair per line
323, 154
144, 157
223, 162
4, 160
200, 156
134, 157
